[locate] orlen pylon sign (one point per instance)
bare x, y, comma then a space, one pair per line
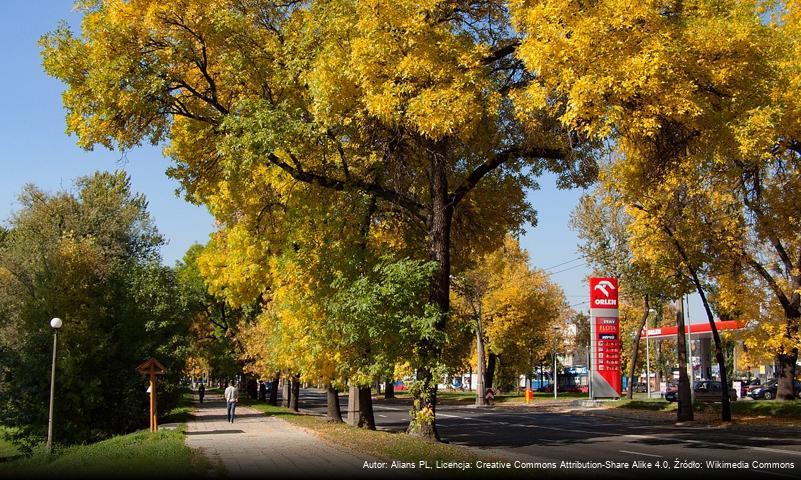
605, 335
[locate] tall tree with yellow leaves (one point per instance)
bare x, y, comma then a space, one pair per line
417, 105
512, 308
706, 88
603, 226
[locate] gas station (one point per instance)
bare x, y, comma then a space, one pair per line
699, 339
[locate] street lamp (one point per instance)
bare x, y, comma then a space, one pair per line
55, 323
648, 355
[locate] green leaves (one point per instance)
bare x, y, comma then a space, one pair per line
91, 259
386, 311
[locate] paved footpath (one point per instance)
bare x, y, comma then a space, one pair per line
256, 444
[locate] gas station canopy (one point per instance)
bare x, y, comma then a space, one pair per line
697, 330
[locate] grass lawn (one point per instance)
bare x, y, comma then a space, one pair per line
387, 445
655, 405
136, 454
180, 413
770, 408
741, 408
6, 448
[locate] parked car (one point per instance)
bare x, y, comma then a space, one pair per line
704, 391
672, 393
769, 389
710, 391
748, 385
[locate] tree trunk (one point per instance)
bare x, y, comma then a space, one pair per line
423, 413
685, 410
725, 409
274, 392
786, 361
786, 365
480, 370
636, 351
489, 375
286, 392
293, 399
334, 413
389, 389
367, 418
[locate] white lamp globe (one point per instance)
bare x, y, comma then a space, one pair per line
56, 323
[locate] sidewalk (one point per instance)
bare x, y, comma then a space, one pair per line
263, 445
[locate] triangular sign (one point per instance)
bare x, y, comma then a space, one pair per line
158, 368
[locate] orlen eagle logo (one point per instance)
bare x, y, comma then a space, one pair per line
603, 292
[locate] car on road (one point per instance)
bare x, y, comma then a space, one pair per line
704, 391
672, 393
768, 390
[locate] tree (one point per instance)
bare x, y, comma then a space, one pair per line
416, 105
510, 306
216, 325
91, 258
702, 83
602, 225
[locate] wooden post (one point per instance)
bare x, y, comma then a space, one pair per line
153, 426
152, 367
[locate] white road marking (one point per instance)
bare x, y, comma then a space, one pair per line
640, 453
382, 416
775, 474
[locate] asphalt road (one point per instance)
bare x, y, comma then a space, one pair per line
545, 436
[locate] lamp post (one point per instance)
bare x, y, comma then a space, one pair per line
55, 324
648, 355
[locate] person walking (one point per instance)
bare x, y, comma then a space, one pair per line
231, 397
201, 392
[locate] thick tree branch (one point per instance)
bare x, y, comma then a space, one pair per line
482, 170
353, 184
502, 52
789, 267
777, 290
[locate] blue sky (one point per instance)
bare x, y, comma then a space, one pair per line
36, 150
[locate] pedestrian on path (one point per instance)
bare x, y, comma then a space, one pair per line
231, 397
201, 392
